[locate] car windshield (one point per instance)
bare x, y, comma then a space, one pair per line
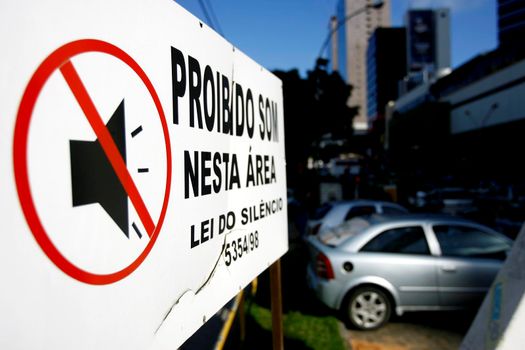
455, 194
339, 234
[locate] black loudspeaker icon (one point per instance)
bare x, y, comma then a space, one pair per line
92, 176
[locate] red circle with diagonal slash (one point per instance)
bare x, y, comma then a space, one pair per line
60, 60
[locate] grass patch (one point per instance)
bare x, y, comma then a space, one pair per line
315, 332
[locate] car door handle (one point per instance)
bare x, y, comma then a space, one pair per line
448, 268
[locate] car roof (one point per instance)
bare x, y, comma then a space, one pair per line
374, 222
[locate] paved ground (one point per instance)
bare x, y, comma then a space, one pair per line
427, 331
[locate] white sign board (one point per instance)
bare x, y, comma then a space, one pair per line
142, 174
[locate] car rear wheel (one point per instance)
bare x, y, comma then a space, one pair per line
368, 308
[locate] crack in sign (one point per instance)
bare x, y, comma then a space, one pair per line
216, 263
201, 287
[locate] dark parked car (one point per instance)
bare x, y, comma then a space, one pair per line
448, 200
332, 214
371, 267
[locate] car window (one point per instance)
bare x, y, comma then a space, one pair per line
321, 211
360, 210
456, 240
389, 210
404, 240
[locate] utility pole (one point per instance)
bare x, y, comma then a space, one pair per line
335, 44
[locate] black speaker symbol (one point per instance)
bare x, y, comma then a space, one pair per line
92, 176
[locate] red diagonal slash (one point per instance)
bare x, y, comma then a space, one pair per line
108, 145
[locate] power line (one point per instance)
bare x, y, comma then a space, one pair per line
210, 8
208, 18
205, 11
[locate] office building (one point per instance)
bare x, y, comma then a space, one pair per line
386, 66
351, 42
511, 22
427, 47
428, 41
467, 123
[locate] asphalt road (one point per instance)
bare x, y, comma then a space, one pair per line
421, 331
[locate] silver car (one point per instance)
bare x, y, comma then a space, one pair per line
372, 266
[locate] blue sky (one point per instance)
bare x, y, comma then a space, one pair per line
287, 34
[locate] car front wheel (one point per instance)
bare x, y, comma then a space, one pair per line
368, 308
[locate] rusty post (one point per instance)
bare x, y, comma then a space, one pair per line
277, 308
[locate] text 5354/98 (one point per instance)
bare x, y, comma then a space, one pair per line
238, 248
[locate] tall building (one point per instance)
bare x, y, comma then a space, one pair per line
511, 22
428, 40
427, 48
386, 66
352, 38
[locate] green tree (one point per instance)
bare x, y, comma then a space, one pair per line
314, 107
331, 94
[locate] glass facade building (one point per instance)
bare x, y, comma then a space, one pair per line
386, 66
511, 22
